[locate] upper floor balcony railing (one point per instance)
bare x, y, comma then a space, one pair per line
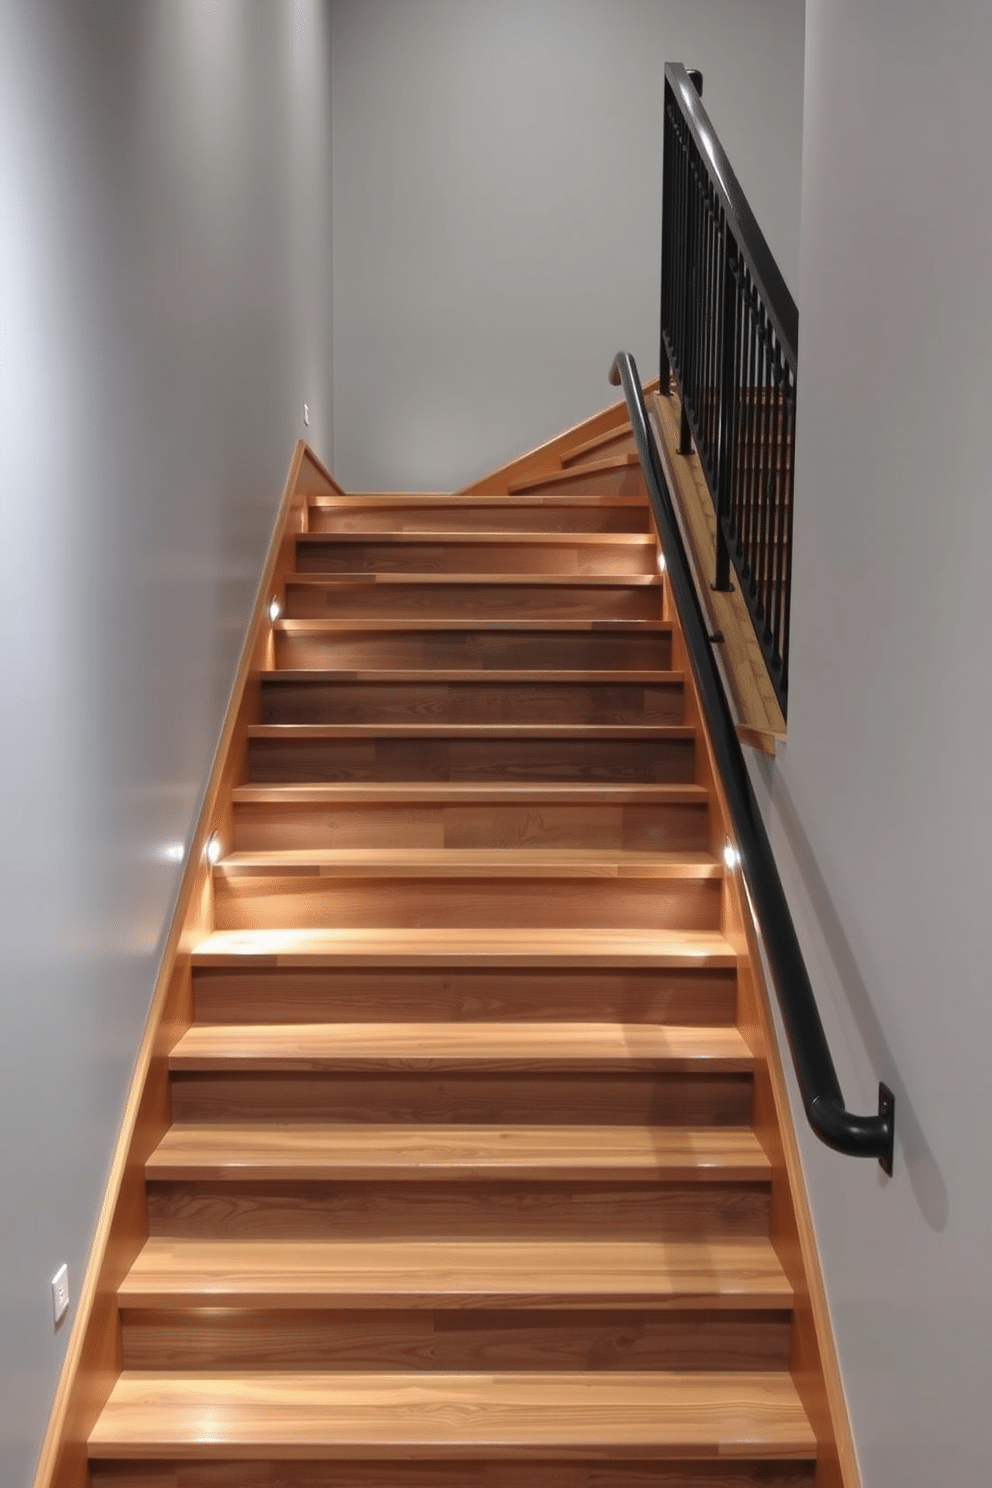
729, 328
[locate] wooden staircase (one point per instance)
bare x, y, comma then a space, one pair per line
469, 1172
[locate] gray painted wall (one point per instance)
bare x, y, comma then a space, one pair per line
497, 208
164, 311
880, 803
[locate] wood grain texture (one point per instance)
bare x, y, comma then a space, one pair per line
471, 1046
653, 754
411, 1154
625, 646
461, 1152
439, 1474
270, 820
312, 1415
674, 995
613, 442
502, 597
551, 454
529, 862
730, 1274
564, 1208
475, 1337
477, 552
607, 474
292, 698
758, 713
501, 1098
416, 513
527, 948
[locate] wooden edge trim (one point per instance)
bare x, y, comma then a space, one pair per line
314, 478
548, 457
813, 1358
815, 1364
756, 710
78, 1399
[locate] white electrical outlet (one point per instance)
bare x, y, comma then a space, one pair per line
306, 413
60, 1293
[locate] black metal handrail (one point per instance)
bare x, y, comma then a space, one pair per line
858, 1136
729, 330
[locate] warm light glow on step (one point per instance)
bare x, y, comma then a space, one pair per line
275, 610
214, 849
731, 857
661, 563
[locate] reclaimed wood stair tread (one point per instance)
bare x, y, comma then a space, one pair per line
484, 675
730, 1274
314, 1416
460, 1046
446, 792
307, 1153
466, 947
469, 862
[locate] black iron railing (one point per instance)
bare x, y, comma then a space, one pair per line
858, 1136
729, 329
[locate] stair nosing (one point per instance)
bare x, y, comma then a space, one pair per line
304, 1152
329, 625
453, 793
482, 536
598, 948
437, 1046
546, 864
388, 578
747, 1276
471, 730
684, 1415
483, 676
384, 500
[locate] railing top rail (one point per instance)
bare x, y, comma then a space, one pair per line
858, 1136
779, 304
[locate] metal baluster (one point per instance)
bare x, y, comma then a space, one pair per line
727, 400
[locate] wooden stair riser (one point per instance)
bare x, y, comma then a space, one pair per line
570, 1209
454, 1338
470, 515
310, 901
534, 553
301, 700
660, 828
470, 1098
632, 760
624, 480
700, 997
620, 442
358, 599
426, 1473
472, 647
